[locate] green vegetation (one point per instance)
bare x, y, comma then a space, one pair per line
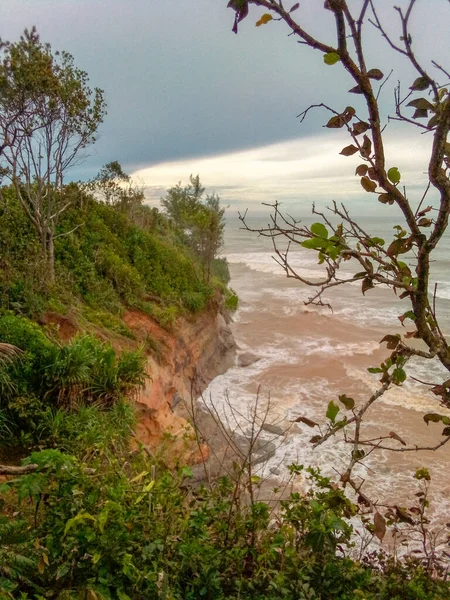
118, 525
201, 221
91, 514
49, 378
48, 116
105, 261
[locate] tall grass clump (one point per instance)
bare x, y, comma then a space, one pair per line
51, 376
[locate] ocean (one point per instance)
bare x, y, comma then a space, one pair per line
305, 356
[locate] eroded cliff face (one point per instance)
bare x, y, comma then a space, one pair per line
185, 361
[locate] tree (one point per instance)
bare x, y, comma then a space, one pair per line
110, 182
403, 264
180, 202
118, 189
201, 220
48, 116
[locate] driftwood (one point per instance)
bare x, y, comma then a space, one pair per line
10, 470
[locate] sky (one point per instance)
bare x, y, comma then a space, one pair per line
186, 95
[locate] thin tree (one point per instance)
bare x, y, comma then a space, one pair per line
201, 220
48, 116
403, 263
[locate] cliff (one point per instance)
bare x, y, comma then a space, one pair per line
181, 366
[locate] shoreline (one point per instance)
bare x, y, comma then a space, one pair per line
301, 374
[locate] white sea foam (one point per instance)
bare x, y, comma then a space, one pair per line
308, 345
367, 315
264, 262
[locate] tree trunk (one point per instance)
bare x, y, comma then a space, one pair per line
51, 256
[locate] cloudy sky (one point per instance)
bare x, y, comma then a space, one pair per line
185, 95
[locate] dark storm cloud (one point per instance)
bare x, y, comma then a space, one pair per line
177, 81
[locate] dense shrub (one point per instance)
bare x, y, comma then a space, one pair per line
111, 528
106, 259
49, 375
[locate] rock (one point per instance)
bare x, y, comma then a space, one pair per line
263, 458
247, 358
260, 446
227, 316
275, 429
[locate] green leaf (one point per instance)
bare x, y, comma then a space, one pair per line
398, 376
349, 403
62, 571
422, 474
332, 251
139, 477
79, 518
313, 243
375, 370
394, 175
149, 486
319, 230
377, 241
433, 417
331, 58
407, 315
332, 411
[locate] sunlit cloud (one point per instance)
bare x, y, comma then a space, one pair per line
298, 170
